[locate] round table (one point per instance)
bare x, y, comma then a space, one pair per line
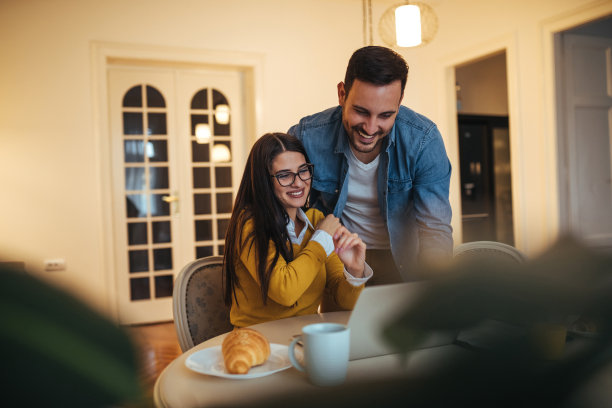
178, 386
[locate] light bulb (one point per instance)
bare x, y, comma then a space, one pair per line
222, 113
408, 25
202, 133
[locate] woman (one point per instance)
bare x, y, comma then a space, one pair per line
276, 263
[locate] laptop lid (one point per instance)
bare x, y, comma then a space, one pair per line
376, 308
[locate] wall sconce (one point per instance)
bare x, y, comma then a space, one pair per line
221, 153
222, 114
402, 24
202, 133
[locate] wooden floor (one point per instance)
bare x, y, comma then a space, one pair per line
158, 346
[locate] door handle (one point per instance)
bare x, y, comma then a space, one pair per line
170, 198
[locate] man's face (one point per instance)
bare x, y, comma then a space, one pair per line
368, 114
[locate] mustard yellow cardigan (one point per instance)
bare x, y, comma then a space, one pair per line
296, 288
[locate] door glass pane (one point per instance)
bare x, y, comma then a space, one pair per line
200, 100
162, 259
222, 228
157, 124
223, 176
200, 152
155, 98
135, 178
137, 233
134, 151
133, 97
224, 203
203, 251
136, 205
157, 150
196, 120
201, 204
132, 123
159, 177
158, 206
161, 232
203, 230
139, 260
163, 286
218, 98
139, 289
201, 177
221, 129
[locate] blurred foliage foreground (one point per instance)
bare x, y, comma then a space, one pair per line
55, 351
532, 334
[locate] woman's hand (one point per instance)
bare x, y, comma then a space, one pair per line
351, 251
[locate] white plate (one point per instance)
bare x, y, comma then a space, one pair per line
210, 361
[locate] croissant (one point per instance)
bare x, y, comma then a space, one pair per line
243, 349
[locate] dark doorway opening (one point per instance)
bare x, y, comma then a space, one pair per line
486, 183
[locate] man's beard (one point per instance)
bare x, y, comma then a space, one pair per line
355, 130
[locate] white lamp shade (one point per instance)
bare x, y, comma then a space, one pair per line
408, 25
202, 133
221, 153
222, 114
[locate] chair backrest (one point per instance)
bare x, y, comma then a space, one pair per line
199, 310
490, 250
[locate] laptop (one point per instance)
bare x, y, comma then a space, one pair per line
378, 306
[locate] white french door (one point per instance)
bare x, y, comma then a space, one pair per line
172, 192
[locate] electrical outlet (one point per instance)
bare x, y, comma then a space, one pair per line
55, 265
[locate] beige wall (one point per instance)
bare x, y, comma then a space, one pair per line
50, 166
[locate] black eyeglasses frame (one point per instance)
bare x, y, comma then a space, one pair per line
306, 166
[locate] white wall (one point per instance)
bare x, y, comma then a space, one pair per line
49, 166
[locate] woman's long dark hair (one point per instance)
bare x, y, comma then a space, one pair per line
256, 201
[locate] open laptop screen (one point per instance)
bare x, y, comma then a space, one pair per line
378, 306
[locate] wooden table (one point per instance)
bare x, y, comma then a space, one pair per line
178, 386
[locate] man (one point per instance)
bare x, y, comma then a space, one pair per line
381, 168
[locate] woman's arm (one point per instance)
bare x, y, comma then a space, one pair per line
288, 281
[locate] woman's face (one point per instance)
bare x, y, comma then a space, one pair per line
294, 195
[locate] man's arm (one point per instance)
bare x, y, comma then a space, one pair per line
431, 202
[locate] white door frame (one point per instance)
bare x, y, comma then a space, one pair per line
506, 43
554, 129
102, 53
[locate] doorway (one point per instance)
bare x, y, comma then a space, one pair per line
484, 149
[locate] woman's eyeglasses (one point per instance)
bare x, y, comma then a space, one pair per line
287, 178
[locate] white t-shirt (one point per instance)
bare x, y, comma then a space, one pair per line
361, 213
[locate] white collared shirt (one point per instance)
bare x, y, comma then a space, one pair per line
327, 242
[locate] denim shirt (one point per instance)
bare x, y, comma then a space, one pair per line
413, 181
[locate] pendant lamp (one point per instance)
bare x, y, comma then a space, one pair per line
408, 24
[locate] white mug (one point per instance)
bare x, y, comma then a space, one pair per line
326, 352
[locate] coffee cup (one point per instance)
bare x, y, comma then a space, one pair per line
326, 353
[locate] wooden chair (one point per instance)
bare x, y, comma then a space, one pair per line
199, 310
489, 250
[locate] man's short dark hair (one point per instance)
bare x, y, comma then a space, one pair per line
376, 65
